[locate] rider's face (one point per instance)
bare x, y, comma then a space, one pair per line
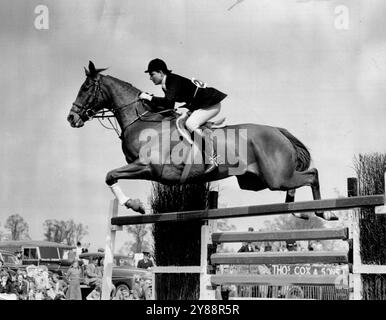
156, 77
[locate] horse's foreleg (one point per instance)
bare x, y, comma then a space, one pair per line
290, 197
131, 171
327, 215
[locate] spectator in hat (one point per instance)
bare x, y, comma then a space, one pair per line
145, 263
291, 246
249, 246
85, 249
18, 259
78, 250
203, 102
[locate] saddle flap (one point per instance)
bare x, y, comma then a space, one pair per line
180, 124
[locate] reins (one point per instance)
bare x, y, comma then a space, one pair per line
88, 113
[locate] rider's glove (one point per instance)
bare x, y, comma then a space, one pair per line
145, 96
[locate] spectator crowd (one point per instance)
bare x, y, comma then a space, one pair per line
82, 280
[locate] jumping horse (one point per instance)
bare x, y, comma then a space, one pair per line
262, 156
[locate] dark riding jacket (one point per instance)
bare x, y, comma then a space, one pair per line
181, 89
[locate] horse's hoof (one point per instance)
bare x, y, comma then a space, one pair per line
327, 215
136, 205
141, 209
301, 215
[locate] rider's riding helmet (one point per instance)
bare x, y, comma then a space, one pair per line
157, 65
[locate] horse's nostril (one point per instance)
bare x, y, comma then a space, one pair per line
70, 118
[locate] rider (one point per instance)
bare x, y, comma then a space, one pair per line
203, 102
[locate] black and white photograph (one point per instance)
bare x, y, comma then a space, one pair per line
199, 156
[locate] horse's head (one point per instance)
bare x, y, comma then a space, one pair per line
89, 100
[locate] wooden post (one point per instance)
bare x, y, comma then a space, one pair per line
355, 279
355, 283
352, 187
205, 293
153, 290
206, 239
382, 209
109, 251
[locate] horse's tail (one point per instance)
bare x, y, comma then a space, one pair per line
303, 157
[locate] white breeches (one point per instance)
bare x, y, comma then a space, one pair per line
200, 116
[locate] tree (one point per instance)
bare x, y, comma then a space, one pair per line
224, 225
64, 231
139, 232
370, 169
3, 235
80, 232
178, 243
126, 248
17, 227
131, 246
289, 222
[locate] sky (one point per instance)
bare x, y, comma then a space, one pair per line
314, 67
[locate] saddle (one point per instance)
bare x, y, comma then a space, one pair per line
185, 133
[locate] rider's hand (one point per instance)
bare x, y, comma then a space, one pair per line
145, 96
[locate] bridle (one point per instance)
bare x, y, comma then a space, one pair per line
87, 112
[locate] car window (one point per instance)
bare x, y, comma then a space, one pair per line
30, 254
62, 252
49, 253
9, 258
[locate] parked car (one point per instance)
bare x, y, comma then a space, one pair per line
123, 274
9, 260
40, 253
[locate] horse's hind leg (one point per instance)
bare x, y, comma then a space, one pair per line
308, 178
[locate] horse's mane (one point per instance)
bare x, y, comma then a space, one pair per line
124, 84
135, 91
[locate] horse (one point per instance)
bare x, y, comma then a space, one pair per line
259, 156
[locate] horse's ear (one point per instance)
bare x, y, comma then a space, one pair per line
91, 68
100, 70
93, 72
86, 72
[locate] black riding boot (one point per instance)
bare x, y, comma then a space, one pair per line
209, 153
